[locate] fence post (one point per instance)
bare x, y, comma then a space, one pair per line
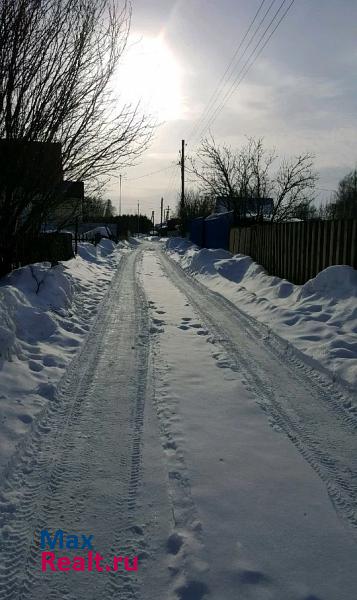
76, 237
304, 237
339, 246
289, 265
285, 251
345, 237
353, 244
333, 254
275, 245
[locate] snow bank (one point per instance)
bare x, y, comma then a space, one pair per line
45, 313
319, 318
28, 296
134, 241
92, 233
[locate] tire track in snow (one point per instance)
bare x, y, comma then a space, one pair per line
80, 468
312, 411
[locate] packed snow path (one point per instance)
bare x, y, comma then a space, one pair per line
186, 435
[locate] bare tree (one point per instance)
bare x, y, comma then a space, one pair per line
57, 58
344, 201
195, 205
215, 168
293, 187
243, 178
57, 61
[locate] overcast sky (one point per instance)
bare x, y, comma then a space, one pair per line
300, 94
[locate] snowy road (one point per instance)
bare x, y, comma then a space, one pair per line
185, 435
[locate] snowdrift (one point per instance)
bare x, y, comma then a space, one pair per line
319, 318
45, 313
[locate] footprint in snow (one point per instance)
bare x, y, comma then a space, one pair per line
47, 390
250, 577
174, 543
170, 445
27, 419
137, 529
35, 366
192, 590
154, 329
158, 321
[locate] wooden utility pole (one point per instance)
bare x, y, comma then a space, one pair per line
183, 174
162, 211
153, 218
138, 218
119, 195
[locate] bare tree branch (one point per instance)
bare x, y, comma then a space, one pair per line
238, 176
57, 60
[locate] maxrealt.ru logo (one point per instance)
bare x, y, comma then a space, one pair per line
92, 561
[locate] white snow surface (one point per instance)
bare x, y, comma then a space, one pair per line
103, 231
45, 314
251, 519
179, 434
318, 318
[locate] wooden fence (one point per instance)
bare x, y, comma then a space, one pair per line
27, 249
298, 251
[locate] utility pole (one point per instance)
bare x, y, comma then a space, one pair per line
162, 210
138, 218
182, 200
153, 218
119, 195
183, 174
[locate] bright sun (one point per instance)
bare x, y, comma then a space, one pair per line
150, 73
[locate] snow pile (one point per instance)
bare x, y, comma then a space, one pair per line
24, 308
134, 241
45, 312
319, 318
92, 233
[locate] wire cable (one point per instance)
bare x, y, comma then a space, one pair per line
243, 72
217, 90
149, 174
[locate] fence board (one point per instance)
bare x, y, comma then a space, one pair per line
343, 241
339, 246
353, 257
333, 258
319, 260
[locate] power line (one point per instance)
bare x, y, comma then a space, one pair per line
246, 67
172, 179
232, 74
174, 182
243, 72
149, 174
216, 92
